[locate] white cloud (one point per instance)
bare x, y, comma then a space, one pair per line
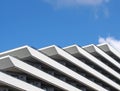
64, 3
99, 6
112, 41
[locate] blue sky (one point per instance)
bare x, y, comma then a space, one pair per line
41, 23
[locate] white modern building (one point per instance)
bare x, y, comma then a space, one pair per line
73, 68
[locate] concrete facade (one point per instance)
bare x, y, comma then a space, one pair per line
73, 68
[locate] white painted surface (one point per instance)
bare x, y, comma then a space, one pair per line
16, 83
